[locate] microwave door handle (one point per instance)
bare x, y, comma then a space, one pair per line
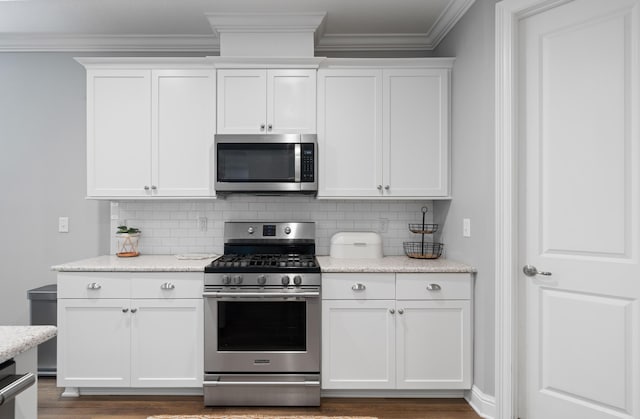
297, 163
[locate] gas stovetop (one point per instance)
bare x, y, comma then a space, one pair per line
267, 263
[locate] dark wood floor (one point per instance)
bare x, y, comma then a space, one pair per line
52, 406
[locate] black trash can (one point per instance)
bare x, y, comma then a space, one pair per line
44, 311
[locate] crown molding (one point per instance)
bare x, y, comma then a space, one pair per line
241, 22
265, 22
108, 43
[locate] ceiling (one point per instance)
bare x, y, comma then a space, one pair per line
182, 25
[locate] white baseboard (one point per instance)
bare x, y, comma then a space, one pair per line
483, 404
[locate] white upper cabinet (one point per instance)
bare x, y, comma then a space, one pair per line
150, 131
118, 132
260, 101
350, 133
183, 132
383, 132
415, 132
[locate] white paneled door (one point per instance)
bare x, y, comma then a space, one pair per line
578, 66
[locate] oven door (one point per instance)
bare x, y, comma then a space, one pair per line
262, 331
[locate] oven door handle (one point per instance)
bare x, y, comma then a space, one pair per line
306, 294
261, 383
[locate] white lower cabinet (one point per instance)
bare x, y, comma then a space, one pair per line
396, 331
152, 336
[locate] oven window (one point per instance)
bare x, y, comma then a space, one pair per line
256, 162
262, 326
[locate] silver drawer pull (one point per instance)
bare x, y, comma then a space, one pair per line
94, 286
433, 287
167, 286
358, 287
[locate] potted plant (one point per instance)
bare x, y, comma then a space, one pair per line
128, 239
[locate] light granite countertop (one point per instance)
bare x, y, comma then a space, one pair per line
15, 340
391, 264
142, 263
170, 263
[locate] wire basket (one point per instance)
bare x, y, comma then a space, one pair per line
421, 228
423, 250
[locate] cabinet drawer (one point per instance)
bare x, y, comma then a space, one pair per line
167, 285
93, 285
358, 286
436, 286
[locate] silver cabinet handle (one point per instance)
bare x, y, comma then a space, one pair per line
125, 310
94, 286
133, 310
387, 187
530, 270
167, 286
262, 127
154, 187
400, 311
392, 311
379, 187
270, 127
358, 287
146, 187
434, 287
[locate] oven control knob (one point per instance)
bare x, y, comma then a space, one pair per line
297, 280
262, 279
285, 280
287, 230
251, 230
237, 280
226, 279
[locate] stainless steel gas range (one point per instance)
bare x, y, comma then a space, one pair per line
262, 317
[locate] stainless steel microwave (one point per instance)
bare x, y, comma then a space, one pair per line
271, 163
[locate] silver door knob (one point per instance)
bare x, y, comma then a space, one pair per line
146, 188
262, 127
379, 187
133, 310
392, 311
387, 187
400, 311
124, 310
530, 270
270, 127
154, 187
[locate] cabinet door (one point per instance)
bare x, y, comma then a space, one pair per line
416, 132
182, 131
350, 133
358, 344
93, 342
167, 343
433, 344
291, 101
118, 132
242, 101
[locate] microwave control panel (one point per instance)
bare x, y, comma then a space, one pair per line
307, 174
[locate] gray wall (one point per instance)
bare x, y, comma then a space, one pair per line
472, 43
42, 176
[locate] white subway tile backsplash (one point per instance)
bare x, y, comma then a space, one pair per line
172, 227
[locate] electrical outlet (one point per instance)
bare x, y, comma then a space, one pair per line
383, 225
202, 223
466, 227
63, 224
